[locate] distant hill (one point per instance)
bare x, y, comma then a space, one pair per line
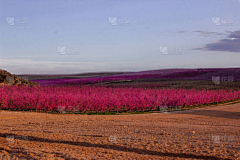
7, 78
201, 74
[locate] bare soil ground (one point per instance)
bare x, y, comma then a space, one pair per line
205, 133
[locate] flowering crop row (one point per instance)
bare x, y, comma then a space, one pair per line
102, 99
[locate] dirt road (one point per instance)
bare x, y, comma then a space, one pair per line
205, 133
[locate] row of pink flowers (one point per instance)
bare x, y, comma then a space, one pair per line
89, 98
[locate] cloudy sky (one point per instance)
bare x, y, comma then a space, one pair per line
76, 36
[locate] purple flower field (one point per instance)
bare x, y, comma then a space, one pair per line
103, 99
169, 74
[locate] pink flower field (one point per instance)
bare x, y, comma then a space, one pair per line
103, 99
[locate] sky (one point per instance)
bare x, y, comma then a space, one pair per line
79, 36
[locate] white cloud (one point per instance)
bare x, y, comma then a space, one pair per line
28, 66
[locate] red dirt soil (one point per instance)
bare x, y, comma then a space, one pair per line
205, 133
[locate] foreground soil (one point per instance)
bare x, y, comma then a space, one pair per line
205, 133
